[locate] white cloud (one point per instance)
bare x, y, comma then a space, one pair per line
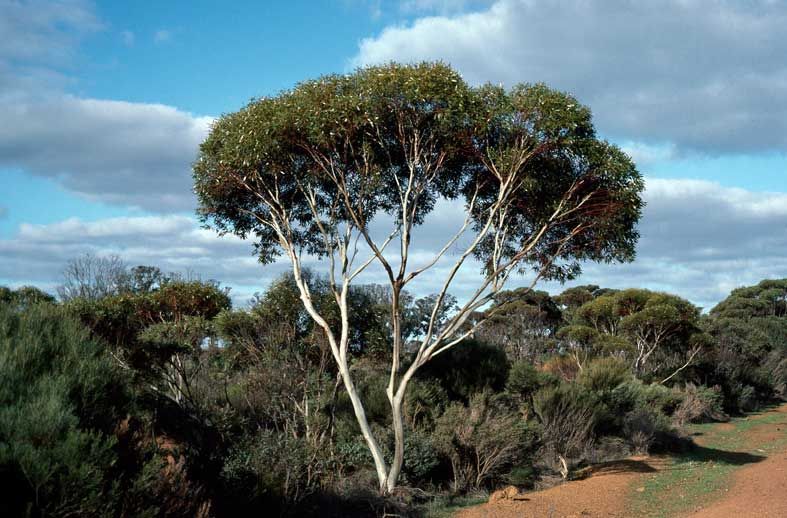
647, 154
706, 76
124, 153
113, 151
439, 6
699, 240
43, 31
37, 254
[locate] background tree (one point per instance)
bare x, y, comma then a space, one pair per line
24, 297
157, 335
749, 357
93, 277
523, 322
309, 171
659, 333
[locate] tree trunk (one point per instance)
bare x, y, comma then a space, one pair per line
398, 426
360, 415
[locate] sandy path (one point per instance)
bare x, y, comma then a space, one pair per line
603, 494
757, 490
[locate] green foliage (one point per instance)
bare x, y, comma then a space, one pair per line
267, 427
768, 298
60, 398
483, 441
568, 415
468, 368
24, 297
424, 402
522, 322
700, 404
634, 394
270, 470
421, 458
643, 426
604, 374
285, 140
524, 379
656, 332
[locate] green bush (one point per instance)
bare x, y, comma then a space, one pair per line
270, 470
568, 415
60, 399
425, 401
700, 404
421, 458
604, 374
643, 427
483, 441
524, 380
634, 394
467, 369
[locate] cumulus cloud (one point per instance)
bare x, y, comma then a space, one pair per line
112, 151
706, 76
699, 240
37, 254
43, 31
130, 154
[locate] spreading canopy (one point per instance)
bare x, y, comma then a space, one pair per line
343, 148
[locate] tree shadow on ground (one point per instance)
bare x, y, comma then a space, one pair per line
699, 453
673, 461
617, 466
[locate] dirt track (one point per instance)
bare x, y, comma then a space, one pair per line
756, 489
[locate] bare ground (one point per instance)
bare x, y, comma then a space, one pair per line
755, 490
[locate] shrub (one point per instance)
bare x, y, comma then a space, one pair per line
273, 470
568, 415
468, 368
425, 401
642, 428
745, 397
563, 367
524, 379
700, 404
60, 398
634, 394
421, 458
604, 374
482, 441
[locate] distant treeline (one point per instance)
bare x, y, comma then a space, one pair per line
139, 393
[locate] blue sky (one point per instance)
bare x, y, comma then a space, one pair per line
106, 102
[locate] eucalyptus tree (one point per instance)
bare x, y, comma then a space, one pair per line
307, 173
657, 325
523, 324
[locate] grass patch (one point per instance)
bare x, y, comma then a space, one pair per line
446, 506
703, 473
